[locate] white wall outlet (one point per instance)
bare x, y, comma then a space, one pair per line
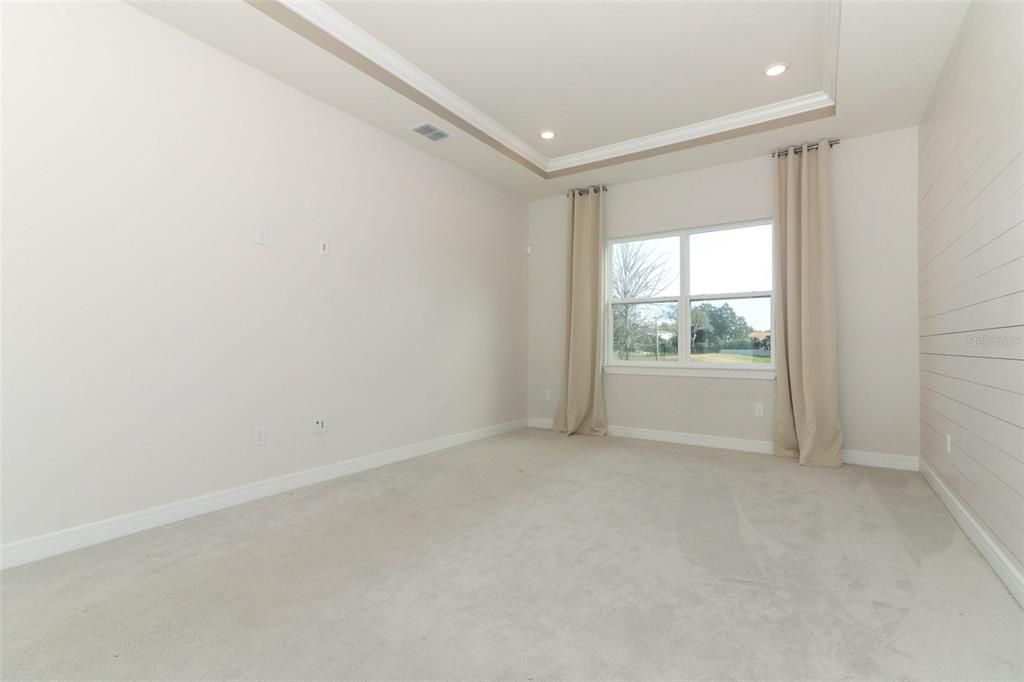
324, 248
259, 435
319, 425
529, 250
263, 236
758, 409
949, 444
547, 394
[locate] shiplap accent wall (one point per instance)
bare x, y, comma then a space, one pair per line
971, 277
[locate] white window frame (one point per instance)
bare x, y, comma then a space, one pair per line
684, 367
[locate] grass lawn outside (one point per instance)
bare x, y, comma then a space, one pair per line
710, 358
730, 359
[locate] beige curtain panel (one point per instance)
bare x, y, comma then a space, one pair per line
807, 390
581, 407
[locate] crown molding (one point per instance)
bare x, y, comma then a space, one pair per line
711, 128
326, 27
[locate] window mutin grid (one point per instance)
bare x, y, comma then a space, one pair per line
684, 301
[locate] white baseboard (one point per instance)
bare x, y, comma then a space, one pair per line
882, 460
987, 545
59, 542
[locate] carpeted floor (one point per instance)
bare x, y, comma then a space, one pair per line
534, 556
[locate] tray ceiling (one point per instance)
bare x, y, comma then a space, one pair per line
632, 90
606, 73
681, 45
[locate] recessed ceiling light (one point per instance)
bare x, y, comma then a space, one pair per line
548, 134
776, 69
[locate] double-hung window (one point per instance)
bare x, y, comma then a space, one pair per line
696, 301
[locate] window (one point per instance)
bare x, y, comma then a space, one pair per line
709, 287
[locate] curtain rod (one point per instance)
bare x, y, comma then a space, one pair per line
587, 190
784, 152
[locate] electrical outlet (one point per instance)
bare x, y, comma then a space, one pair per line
319, 425
259, 435
324, 248
758, 409
547, 394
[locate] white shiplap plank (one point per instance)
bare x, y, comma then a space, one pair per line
999, 251
1007, 343
999, 109
993, 401
1004, 311
982, 105
949, 227
992, 430
975, 35
984, 25
1005, 214
1003, 280
1007, 469
1005, 374
956, 211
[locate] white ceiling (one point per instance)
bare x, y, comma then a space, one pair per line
604, 72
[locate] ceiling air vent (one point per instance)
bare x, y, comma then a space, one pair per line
430, 132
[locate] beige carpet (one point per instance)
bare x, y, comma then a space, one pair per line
534, 556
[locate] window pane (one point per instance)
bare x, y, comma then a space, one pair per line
735, 331
645, 268
645, 331
728, 261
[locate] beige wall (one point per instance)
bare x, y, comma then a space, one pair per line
145, 333
875, 181
972, 273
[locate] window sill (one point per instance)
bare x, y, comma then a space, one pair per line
767, 373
